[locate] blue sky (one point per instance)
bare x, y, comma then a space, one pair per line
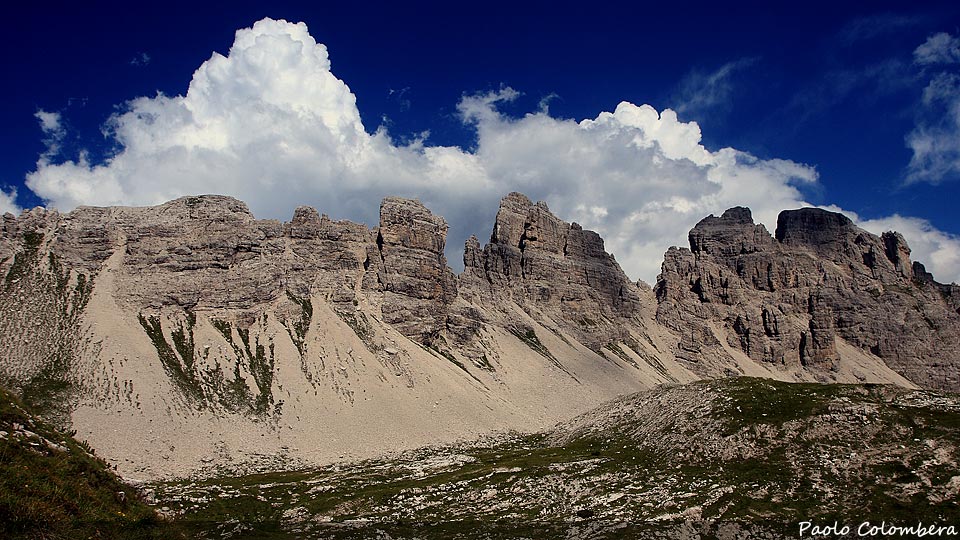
854, 106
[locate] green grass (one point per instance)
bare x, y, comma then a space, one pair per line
50, 390
543, 489
260, 360
182, 338
529, 338
52, 493
765, 401
360, 325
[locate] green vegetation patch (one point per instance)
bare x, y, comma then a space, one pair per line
438, 349
184, 375
49, 323
26, 259
615, 349
298, 328
765, 401
483, 363
182, 338
357, 321
261, 362
529, 338
52, 486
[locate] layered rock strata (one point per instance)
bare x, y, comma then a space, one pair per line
239, 338
787, 298
553, 268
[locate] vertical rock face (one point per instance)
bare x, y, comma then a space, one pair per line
210, 252
898, 252
547, 265
199, 251
417, 284
813, 228
326, 256
787, 299
731, 234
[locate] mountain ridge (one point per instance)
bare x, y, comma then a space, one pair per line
316, 340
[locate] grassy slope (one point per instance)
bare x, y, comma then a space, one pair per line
760, 457
52, 486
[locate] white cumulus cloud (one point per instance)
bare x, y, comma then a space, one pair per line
639, 177
8, 202
271, 124
53, 133
940, 48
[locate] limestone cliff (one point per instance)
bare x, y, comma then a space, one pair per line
555, 269
789, 299
190, 335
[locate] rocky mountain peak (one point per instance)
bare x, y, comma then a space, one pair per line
814, 227
218, 208
732, 233
306, 222
548, 265
797, 298
408, 223
739, 214
417, 283
898, 252
508, 227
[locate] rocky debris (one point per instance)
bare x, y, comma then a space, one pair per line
551, 267
786, 299
730, 458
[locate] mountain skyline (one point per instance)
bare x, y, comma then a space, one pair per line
280, 120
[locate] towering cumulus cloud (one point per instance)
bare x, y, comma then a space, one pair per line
271, 124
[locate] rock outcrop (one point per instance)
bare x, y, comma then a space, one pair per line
417, 283
554, 268
787, 299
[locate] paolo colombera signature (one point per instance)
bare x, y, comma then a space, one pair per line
882, 529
